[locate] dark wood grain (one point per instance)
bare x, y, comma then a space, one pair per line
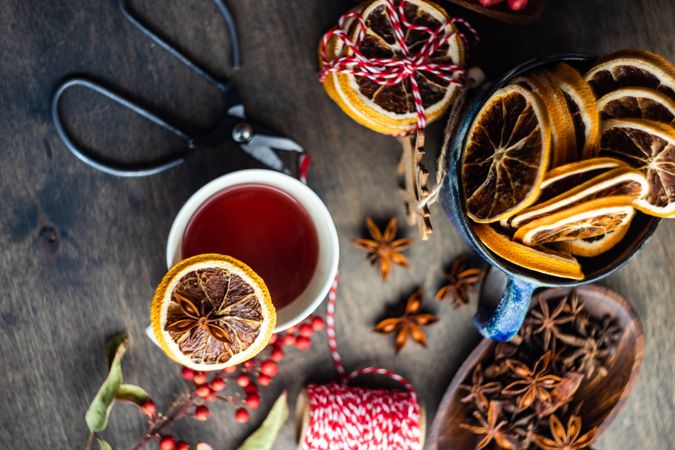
81, 252
601, 398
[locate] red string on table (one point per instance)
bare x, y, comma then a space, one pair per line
390, 71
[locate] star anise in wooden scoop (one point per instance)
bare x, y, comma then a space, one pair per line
409, 324
384, 248
565, 439
533, 383
462, 280
490, 428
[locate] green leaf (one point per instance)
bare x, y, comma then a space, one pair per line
132, 393
264, 437
103, 445
100, 407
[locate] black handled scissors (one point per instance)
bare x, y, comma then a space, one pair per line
255, 139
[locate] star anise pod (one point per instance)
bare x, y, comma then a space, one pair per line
192, 317
477, 390
562, 394
533, 383
565, 439
490, 429
383, 248
524, 428
547, 322
609, 333
462, 281
409, 324
588, 357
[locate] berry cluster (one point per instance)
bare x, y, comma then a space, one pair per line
515, 5
245, 381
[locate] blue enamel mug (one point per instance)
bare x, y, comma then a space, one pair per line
502, 319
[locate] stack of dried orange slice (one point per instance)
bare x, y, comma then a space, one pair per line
556, 164
390, 108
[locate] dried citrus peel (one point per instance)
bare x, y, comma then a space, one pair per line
586, 220
619, 181
538, 259
591, 247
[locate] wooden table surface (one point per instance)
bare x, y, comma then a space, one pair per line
81, 251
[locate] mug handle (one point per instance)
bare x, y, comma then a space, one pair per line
504, 321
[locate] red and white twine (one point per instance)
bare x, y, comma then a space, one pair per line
391, 71
351, 418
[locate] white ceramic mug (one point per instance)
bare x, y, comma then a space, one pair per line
327, 263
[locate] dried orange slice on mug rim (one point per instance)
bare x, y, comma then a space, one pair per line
212, 311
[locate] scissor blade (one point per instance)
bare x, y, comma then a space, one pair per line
265, 155
276, 142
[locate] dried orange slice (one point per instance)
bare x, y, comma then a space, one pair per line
594, 246
563, 141
538, 259
565, 177
650, 147
637, 103
581, 105
586, 220
632, 68
391, 109
623, 181
506, 154
212, 311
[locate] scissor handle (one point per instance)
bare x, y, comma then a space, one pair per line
107, 167
196, 68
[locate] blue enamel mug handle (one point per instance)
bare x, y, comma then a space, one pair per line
502, 322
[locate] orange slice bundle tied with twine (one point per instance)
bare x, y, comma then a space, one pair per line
612, 152
212, 311
394, 65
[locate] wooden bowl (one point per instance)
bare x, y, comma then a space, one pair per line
503, 13
602, 397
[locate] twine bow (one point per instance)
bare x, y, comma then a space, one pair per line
391, 71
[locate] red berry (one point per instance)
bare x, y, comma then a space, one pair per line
306, 330
250, 364
243, 380
303, 343
188, 373
199, 378
488, 3
264, 380
517, 5
269, 368
182, 445
167, 443
277, 354
252, 401
273, 339
241, 415
148, 408
292, 329
251, 389
202, 390
289, 339
230, 370
212, 397
218, 384
317, 323
202, 412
